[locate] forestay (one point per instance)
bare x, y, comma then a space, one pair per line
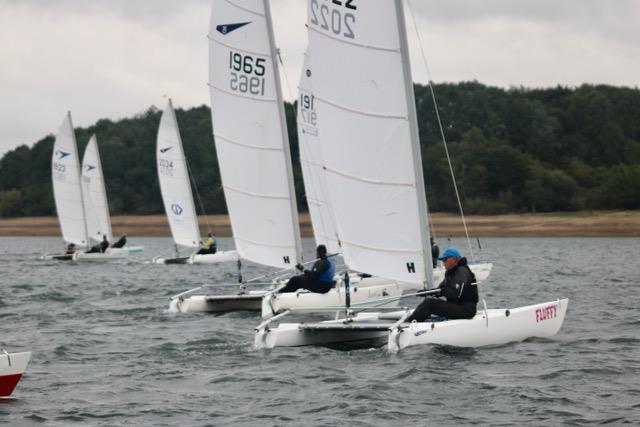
250, 133
174, 181
65, 170
94, 194
364, 97
310, 143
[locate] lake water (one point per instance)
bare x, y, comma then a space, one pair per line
106, 351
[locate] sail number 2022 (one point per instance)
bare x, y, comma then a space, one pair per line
247, 73
334, 16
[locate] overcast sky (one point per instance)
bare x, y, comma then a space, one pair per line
115, 58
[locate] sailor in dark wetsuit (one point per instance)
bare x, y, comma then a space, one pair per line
458, 287
104, 245
319, 279
121, 241
435, 252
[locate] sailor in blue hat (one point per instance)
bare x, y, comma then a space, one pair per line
458, 288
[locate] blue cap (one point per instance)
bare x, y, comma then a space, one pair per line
454, 252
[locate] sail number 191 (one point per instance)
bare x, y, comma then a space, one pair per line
247, 73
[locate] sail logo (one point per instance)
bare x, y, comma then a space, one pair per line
227, 28
89, 168
164, 150
177, 209
62, 154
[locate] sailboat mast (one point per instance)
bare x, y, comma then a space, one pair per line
84, 213
109, 230
415, 144
285, 134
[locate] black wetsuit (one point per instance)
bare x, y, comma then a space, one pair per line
121, 242
319, 279
435, 253
104, 245
460, 293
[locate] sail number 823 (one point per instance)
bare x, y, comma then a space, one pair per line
247, 73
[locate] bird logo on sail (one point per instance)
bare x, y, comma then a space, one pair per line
227, 28
61, 154
177, 209
89, 168
164, 150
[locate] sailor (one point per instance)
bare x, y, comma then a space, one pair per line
121, 241
210, 246
435, 252
104, 245
458, 287
70, 249
319, 279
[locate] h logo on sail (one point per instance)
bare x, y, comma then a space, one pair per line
411, 267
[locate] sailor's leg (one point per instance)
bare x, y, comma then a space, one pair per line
319, 288
295, 283
423, 310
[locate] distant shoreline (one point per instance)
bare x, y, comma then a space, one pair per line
621, 223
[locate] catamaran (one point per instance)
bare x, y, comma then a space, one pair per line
252, 147
173, 174
80, 197
324, 224
12, 367
371, 155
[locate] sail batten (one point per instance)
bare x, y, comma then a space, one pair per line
253, 153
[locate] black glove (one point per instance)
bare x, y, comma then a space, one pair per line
300, 267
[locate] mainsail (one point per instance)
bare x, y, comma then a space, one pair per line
65, 171
370, 149
250, 133
174, 181
94, 194
310, 143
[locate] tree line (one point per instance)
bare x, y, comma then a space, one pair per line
512, 150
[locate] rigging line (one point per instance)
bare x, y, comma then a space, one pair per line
444, 139
284, 73
195, 185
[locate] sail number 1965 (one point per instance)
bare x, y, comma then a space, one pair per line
247, 73
334, 16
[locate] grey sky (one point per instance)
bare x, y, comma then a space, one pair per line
115, 58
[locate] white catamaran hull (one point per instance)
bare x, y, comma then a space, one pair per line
490, 328
362, 290
218, 257
110, 255
12, 367
249, 301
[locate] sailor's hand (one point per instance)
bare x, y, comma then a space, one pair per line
300, 267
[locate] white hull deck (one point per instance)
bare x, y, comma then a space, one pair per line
218, 257
109, 255
12, 367
488, 328
362, 290
245, 301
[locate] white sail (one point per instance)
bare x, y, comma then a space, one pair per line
250, 133
96, 205
359, 58
174, 182
315, 186
65, 173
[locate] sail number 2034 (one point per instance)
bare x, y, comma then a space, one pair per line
247, 73
334, 16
